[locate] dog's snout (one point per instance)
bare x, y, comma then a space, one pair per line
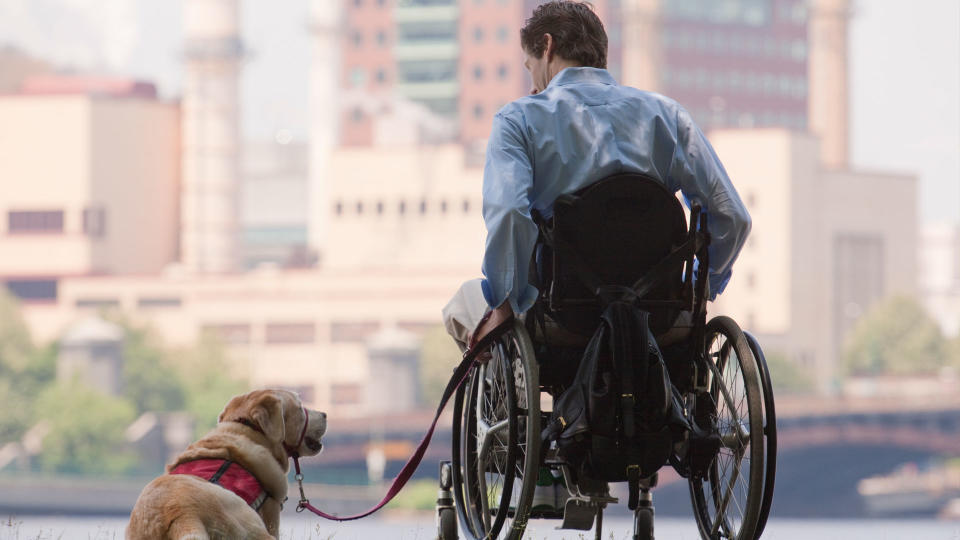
323, 415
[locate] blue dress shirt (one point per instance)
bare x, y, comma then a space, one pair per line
580, 129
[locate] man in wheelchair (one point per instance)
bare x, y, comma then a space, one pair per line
577, 127
579, 200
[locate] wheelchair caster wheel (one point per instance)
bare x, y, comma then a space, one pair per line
447, 524
643, 523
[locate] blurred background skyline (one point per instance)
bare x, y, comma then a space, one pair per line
904, 73
203, 196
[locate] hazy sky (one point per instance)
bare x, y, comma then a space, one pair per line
905, 72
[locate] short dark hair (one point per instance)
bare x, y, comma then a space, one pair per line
576, 30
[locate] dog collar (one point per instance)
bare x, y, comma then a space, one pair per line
303, 433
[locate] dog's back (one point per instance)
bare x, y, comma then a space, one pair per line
183, 507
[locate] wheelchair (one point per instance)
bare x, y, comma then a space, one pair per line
626, 234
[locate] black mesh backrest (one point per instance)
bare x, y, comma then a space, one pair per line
621, 227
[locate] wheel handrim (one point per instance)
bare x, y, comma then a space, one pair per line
727, 500
492, 435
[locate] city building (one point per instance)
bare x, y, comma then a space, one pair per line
274, 204
90, 176
390, 205
825, 246
405, 232
737, 63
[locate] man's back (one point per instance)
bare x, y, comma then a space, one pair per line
583, 127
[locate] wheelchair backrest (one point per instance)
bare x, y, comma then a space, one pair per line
619, 228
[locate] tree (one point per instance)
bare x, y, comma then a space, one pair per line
206, 381
150, 382
86, 430
895, 337
439, 355
786, 376
24, 370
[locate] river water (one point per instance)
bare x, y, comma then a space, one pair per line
421, 527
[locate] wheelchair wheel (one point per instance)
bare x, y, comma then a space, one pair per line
769, 432
496, 441
727, 499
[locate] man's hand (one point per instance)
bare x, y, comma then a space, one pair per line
490, 321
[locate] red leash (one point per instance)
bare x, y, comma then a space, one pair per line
459, 375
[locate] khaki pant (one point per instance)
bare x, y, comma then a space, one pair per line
463, 312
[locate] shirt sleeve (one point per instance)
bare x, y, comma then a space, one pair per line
511, 232
703, 180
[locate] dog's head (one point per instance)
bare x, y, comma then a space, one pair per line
279, 415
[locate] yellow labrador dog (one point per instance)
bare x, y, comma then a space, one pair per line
231, 484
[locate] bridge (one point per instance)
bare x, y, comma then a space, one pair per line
928, 425
826, 445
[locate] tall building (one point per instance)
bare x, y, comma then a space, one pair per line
89, 171
736, 63
211, 179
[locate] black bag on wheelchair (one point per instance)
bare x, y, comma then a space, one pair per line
620, 417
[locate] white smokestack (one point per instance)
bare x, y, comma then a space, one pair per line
210, 113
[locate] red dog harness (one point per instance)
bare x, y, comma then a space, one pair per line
228, 475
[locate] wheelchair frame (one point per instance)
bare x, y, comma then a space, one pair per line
726, 393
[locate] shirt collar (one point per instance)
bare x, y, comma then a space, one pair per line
574, 75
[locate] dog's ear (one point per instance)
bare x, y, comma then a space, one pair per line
267, 413
262, 409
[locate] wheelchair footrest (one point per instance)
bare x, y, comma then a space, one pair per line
578, 514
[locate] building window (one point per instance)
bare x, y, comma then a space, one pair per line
352, 332
478, 72
502, 71
346, 394
357, 38
338, 208
443, 207
33, 290
357, 3
381, 38
290, 333
148, 302
35, 221
478, 34
358, 76
97, 303
379, 208
381, 75
417, 327
502, 34
381, 3
357, 115
402, 208
360, 207
751, 280
95, 222
229, 333
466, 206
478, 111
423, 206
306, 393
